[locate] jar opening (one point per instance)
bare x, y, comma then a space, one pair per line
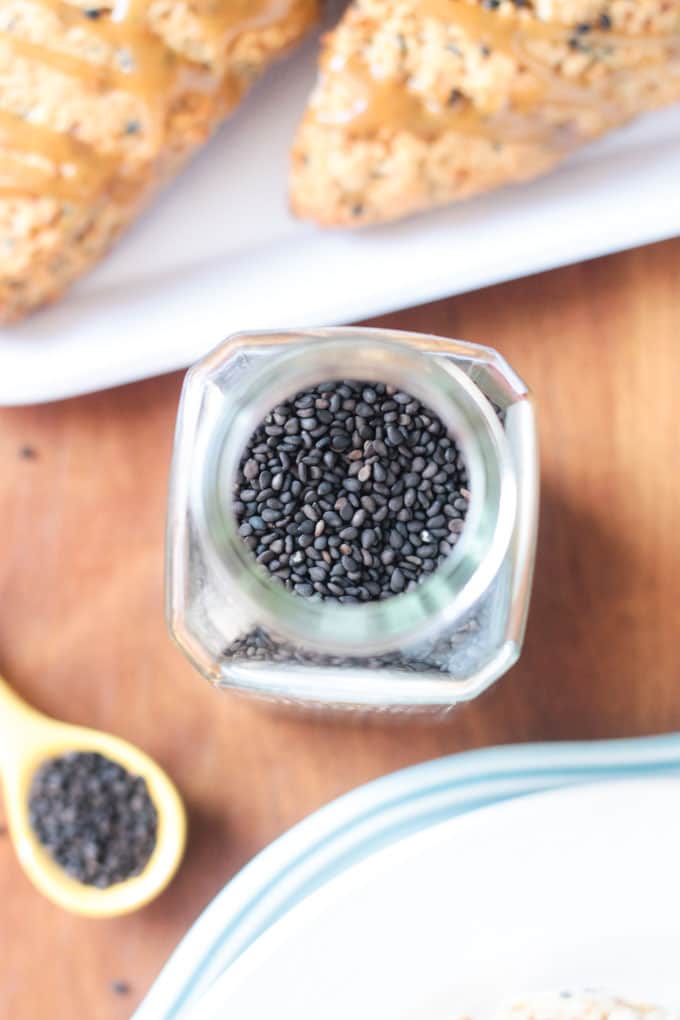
447, 593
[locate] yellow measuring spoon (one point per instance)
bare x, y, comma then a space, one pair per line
28, 739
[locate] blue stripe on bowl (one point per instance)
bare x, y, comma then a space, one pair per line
350, 828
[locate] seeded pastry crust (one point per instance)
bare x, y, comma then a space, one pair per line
602, 63
47, 241
583, 1006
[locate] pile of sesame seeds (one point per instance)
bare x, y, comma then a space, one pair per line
351, 492
95, 819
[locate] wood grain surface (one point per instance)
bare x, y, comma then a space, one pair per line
82, 497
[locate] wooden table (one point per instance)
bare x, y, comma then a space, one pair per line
82, 496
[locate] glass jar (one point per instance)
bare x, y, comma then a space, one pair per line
441, 643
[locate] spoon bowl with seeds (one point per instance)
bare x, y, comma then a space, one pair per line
80, 804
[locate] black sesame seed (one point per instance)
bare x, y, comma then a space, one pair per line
368, 538
397, 581
346, 512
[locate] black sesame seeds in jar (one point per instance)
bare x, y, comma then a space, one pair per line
352, 518
351, 492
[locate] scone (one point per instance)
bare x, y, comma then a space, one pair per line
584, 1006
423, 102
99, 105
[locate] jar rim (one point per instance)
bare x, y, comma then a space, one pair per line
455, 586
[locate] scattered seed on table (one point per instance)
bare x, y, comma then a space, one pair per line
368, 469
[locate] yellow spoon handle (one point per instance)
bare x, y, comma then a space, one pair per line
21, 726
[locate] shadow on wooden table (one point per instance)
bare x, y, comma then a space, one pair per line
590, 620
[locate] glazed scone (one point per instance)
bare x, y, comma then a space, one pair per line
423, 102
584, 1006
100, 105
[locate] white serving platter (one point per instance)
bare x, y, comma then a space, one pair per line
572, 889
219, 252
365, 821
